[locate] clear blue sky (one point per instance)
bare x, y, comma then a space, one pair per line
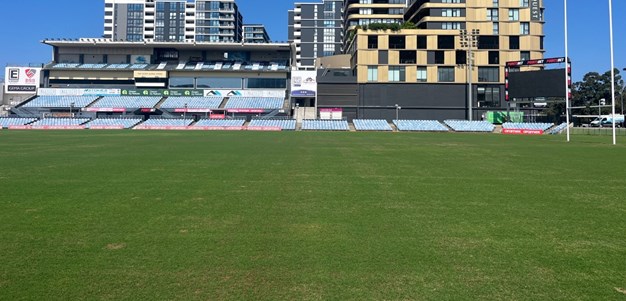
21, 32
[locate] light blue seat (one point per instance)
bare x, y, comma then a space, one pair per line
127, 102
325, 125
470, 126
241, 102
13, 121
557, 129
221, 122
371, 125
60, 122
420, 126
60, 101
167, 122
192, 102
116, 122
283, 124
526, 126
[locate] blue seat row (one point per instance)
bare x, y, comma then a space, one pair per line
420, 126
123, 122
325, 125
240, 102
60, 122
284, 124
60, 101
470, 126
127, 102
221, 122
12, 121
371, 125
557, 129
192, 102
167, 122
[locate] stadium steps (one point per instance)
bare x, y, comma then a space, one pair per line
351, 127
394, 128
27, 100
498, 129
224, 102
158, 105
93, 102
138, 124
298, 126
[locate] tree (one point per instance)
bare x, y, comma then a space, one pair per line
594, 87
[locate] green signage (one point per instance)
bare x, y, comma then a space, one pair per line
161, 92
499, 117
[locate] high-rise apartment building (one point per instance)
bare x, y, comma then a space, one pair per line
173, 20
365, 12
316, 29
255, 33
425, 70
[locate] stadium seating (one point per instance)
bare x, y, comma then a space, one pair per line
127, 102
420, 126
167, 122
60, 122
60, 101
12, 121
65, 65
526, 126
470, 126
221, 122
113, 122
92, 66
283, 124
192, 102
325, 125
557, 129
371, 125
239, 102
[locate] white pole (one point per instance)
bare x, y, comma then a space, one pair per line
469, 86
612, 70
567, 108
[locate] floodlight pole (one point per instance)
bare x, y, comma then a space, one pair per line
397, 112
567, 79
185, 112
612, 70
468, 38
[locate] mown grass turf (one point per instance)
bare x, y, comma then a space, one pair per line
310, 216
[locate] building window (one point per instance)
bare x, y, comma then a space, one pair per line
488, 96
372, 42
422, 74
488, 74
513, 42
445, 42
372, 73
445, 74
494, 57
496, 28
461, 57
396, 74
440, 57
524, 3
524, 28
422, 42
397, 42
524, 55
408, 57
513, 14
492, 14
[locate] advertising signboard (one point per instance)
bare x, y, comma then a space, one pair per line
303, 83
161, 92
22, 80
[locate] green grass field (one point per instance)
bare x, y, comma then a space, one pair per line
130, 215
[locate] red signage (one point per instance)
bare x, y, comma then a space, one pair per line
192, 110
246, 110
218, 116
106, 127
264, 128
521, 132
114, 110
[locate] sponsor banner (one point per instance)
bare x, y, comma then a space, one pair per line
223, 128
149, 74
303, 83
192, 110
331, 113
58, 127
106, 127
78, 92
245, 111
162, 92
535, 10
154, 127
521, 132
264, 128
217, 116
22, 80
20, 127
191, 128
113, 110
246, 93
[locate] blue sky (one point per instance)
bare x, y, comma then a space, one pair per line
21, 32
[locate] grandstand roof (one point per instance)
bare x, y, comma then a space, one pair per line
89, 42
